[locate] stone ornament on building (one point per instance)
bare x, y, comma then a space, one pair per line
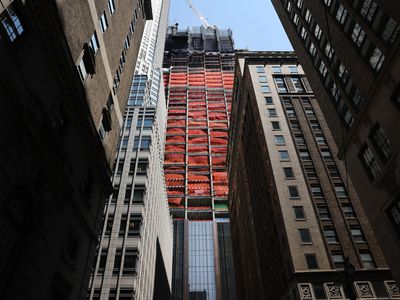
393, 288
364, 289
334, 291
305, 291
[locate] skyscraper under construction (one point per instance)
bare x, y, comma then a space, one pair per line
198, 76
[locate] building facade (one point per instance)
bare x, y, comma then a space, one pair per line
198, 76
298, 228
64, 86
350, 53
134, 258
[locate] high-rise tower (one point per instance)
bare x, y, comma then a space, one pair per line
135, 254
198, 75
298, 228
350, 53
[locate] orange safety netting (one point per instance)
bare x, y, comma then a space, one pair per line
197, 149
175, 183
199, 104
174, 158
221, 191
198, 160
174, 148
175, 130
218, 141
174, 169
220, 177
192, 177
174, 177
175, 139
193, 123
176, 201
199, 170
218, 160
199, 207
175, 190
198, 140
217, 116
219, 150
218, 133
172, 122
177, 111
197, 132
198, 191
197, 114
218, 125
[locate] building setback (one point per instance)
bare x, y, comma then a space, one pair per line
198, 76
298, 228
134, 258
64, 83
350, 53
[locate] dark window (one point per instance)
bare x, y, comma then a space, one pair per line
338, 259
304, 154
340, 190
272, 112
311, 173
132, 167
380, 289
299, 212
357, 234
268, 100
126, 294
117, 261
293, 191
124, 142
279, 140
128, 122
333, 172
115, 195
148, 123
317, 191
122, 226
120, 166
128, 193
284, 155
281, 85
142, 167
319, 291
369, 162
305, 235
145, 143
138, 194
348, 211
130, 262
298, 84
110, 221
381, 142
11, 22
311, 261
275, 125
135, 222
330, 235
288, 172
103, 261
367, 260
393, 212
323, 212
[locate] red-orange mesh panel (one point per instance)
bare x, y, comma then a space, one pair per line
175, 183
217, 116
172, 122
218, 160
199, 104
218, 150
198, 178
174, 158
220, 177
198, 160
174, 169
199, 189
198, 140
198, 149
223, 134
197, 132
218, 125
198, 170
193, 123
218, 141
174, 148
221, 191
176, 201
176, 190
198, 114
177, 111
174, 177
199, 208
175, 139
175, 130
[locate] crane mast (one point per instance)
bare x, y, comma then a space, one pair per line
202, 19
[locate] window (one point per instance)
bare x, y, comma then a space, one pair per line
368, 9
128, 122
279, 140
323, 213
308, 16
103, 261
311, 173
126, 294
272, 112
260, 69
326, 154
111, 6
276, 69
148, 123
11, 23
281, 85
293, 192
115, 194
265, 89
376, 60
366, 259
314, 125
122, 225
330, 235
297, 84
305, 235
290, 112
142, 167
299, 139
94, 43
311, 261
393, 212
135, 222
320, 139
82, 70
333, 172
262, 79
130, 261
329, 50
318, 34
128, 194
309, 112
390, 31
117, 261
369, 162
268, 100
275, 125
103, 22
338, 259
317, 191
284, 155
348, 211
145, 143
71, 248
293, 69
124, 144
288, 171
110, 221
381, 142
340, 190
358, 35
357, 234
341, 14
138, 194
319, 291
304, 154
312, 49
299, 212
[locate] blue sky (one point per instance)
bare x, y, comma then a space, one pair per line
254, 23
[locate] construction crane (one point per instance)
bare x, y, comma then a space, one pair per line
202, 19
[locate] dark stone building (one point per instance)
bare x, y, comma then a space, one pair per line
298, 228
350, 53
65, 73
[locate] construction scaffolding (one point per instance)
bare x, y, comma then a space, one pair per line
199, 93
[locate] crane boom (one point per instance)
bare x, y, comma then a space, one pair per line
202, 19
